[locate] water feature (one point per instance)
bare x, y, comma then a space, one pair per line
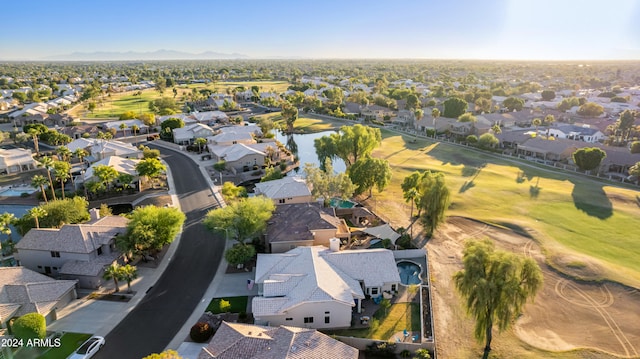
15, 191
302, 146
409, 273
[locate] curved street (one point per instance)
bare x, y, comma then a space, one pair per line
154, 322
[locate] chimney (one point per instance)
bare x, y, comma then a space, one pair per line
94, 213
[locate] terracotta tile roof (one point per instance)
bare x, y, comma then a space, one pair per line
244, 341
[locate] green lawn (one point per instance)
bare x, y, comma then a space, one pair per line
383, 326
238, 304
569, 215
68, 343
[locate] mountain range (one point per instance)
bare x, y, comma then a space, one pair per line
147, 56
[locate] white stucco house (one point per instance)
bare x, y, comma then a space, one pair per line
315, 287
187, 134
16, 160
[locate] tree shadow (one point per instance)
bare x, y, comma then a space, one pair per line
468, 171
591, 199
534, 190
467, 185
638, 201
522, 176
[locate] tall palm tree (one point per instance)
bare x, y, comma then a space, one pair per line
62, 173
5, 220
36, 213
113, 272
123, 127
435, 113
134, 129
34, 132
38, 181
47, 163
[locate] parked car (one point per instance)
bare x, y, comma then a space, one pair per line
88, 349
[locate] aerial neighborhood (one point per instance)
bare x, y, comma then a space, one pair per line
248, 209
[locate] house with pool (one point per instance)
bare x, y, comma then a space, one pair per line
319, 287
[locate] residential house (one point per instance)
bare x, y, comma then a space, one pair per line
76, 132
74, 251
246, 341
404, 118
210, 117
120, 164
251, 129
579, 133
186, 135
315, 287
303, 224
547, 150
352, 108
24, 291
375, 112
16, 160
240, 157
100, 149
230, 137
286, 190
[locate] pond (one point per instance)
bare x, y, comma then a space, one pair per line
302, 146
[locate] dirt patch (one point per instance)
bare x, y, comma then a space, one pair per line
566, 314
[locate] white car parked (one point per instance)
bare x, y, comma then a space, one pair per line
88, 349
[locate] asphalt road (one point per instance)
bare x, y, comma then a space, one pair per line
151, 325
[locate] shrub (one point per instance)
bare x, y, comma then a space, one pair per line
201, 332
224, 306
220, 166
381, 350
242, 317
30, 326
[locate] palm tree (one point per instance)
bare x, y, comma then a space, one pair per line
36, 213
62, 173
38, 181
64, 153
129, 273
113, 272
47, 163
536, 122
200, 142
123, 127
134, 129
435, 113
34, 132
81, 153
5, 220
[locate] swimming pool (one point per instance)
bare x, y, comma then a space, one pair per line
15, 191
409, 273
339, 203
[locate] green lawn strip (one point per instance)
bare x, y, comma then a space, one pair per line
69, 342
238, 304
572, 214
399, 317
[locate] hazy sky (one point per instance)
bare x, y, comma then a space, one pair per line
468, 29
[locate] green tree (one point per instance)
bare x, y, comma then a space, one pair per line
148, 119
91, 106
635, 170
35, 132
422, 353
483, 105
20, 96
496, 129
266, 125
47, 163
167, 354
239, 254
625, 124
149, 229
635, 147
413, 102
242, 219
467, 117
513, 103
64, 154
454, 107
224, 306
590, 109
128, 115
231, 192
271, 173
327, 184
200, 142
549, 119
58, 212
38, 181
385, 304
431, 196
471, 139
150, 168
62, 172
128, 274
349, 144
290, 115
113, 272
149, 153
496, 286
6, 219
547, 95
30, 326
368, 172
36, 213
170, 124
105, 175
588, 158
488, 140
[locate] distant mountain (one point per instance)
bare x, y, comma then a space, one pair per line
147, 56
